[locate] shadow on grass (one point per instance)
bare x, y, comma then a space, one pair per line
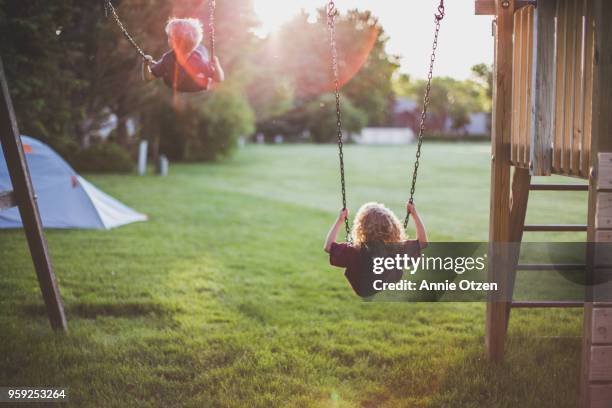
107, 309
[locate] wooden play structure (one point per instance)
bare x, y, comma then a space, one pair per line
24, 198
552, 115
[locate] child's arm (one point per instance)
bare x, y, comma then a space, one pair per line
421, 234
219, 74
333, 231
147, 74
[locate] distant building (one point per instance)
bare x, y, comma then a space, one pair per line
384, 136
406, 113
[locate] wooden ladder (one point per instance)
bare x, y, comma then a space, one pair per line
597, 332
24, 198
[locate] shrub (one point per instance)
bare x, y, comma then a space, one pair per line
104, 157
204, 128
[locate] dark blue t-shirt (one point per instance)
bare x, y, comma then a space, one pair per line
192, 76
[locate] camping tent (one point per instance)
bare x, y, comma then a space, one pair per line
65, 199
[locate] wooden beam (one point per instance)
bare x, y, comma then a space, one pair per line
499, 222
601, 142
10, 139
542, 109
7, 200
546, 304
559, 187
488, 7
521, 181
555, 228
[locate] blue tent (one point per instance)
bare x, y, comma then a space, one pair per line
65, 199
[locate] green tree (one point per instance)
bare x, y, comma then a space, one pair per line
38, 59
321, 119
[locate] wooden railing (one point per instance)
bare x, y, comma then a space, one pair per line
553, 87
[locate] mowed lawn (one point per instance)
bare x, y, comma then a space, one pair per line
226, 299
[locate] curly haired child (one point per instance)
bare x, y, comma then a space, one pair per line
186, 67
376, 232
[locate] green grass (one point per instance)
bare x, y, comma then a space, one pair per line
226, 299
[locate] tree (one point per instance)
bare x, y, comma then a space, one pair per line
321, 119
38, 60
304, 65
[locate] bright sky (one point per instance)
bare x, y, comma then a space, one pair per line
465, 39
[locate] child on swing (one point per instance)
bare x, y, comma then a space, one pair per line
186, 67
376, 232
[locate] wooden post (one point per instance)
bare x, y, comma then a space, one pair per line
496, 317
521, 182
542, 108
596, 393
10, 139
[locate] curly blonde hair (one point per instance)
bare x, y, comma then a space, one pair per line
375, 223
185, 34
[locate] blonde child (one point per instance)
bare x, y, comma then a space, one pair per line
375, 229
186, 67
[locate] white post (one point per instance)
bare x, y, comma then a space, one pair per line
163, 165
142, 157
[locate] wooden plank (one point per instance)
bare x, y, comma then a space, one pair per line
578, 93
488, 7
555, 228
601, 363
603, 211
603, 236
521, 180
551, 267
484, 7
560, 80
600, 142
10, 139
524, 96
7, 200
571, 58
601, 395
604, 171
516, 89
603, 255
559, 187
543, 111
588, 93
496, 315
529, 85
602, 326
546, 304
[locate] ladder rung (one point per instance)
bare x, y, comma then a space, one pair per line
559, 187
544, 304
7, 200
550, 267
555, 228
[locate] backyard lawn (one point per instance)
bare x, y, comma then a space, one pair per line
225, 297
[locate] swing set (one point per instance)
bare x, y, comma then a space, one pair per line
198, 85
331, 20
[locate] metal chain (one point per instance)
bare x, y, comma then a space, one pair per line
109, 8
211, 27
331, 25
438, 19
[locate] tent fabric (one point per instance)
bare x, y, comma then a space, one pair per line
65, 199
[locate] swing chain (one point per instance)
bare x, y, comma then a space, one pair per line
439, 16
110, 9
331, 25
211, 27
